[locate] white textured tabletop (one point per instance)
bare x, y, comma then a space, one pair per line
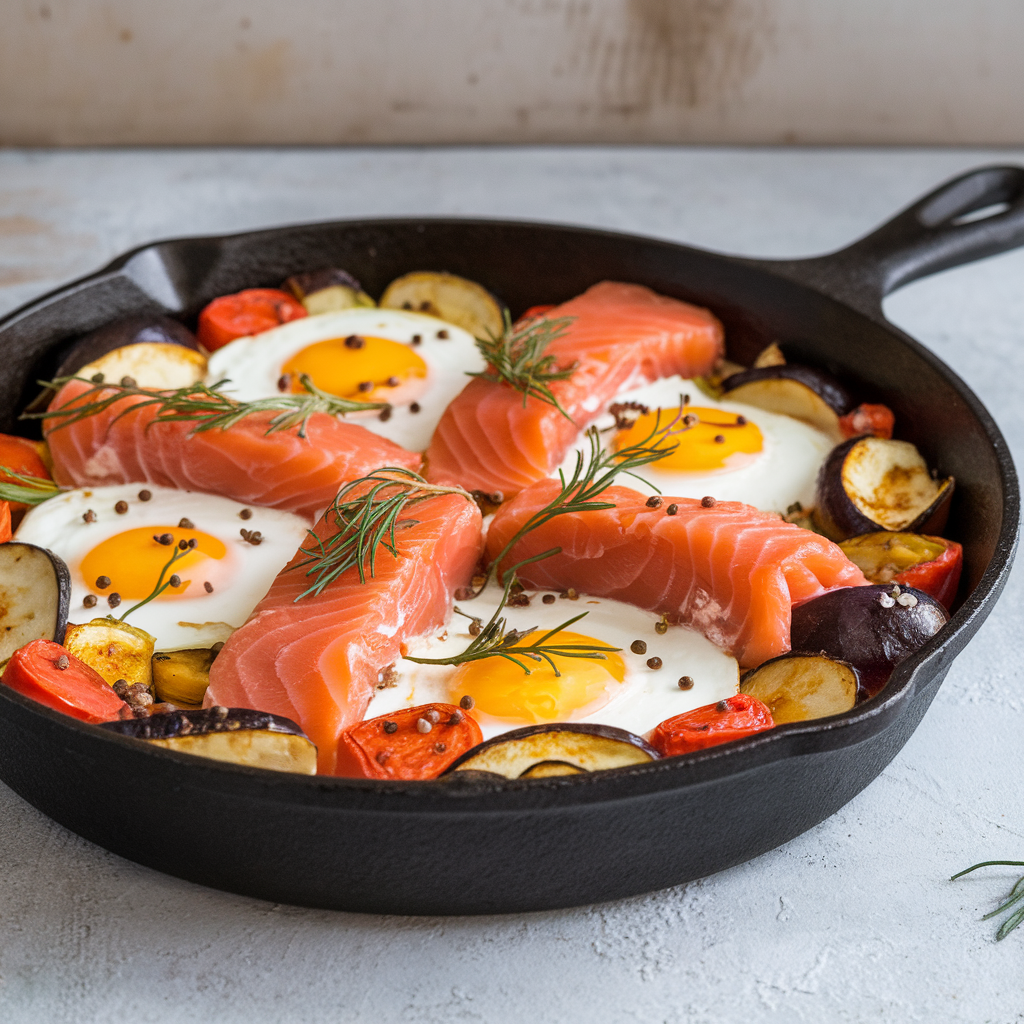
855, 920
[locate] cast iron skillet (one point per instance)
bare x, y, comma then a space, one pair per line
457, 847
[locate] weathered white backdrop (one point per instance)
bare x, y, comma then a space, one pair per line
84, 72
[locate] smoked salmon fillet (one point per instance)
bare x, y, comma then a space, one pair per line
621, 336
730, 571
319, 659
279, 470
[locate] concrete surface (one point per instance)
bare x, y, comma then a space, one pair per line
142, 72
853, 921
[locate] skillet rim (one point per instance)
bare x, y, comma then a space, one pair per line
784, 741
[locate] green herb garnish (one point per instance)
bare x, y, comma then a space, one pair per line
160, 586
496, 641
34, 490
366, 521
1016, 896
517, 358
204, 404
580, 492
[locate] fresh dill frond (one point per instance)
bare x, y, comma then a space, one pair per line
160, 586
517, 358
205, 405
366, 513
33, 490
495, 640
581, 491
1016, 896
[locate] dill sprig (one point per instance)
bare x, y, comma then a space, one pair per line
517, 358
160, 586
204, 404
1016, 896
580, 492
366, 513
34, 490
495, 640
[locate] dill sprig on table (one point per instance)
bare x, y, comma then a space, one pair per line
33, 490
495, 640
580, 492
366, 513
517, 358
204, 404
1016, 896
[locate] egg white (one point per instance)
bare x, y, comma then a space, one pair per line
195, 618
644, 698
783, 473
254, 365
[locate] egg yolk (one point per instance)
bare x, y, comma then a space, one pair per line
133, 561
718, 440
357, 367
502, 690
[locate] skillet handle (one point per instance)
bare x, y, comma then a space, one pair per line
935, 233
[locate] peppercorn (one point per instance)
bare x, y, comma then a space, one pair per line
145, 495
89, 600
186, 524
638, 647
121, 507
548, 598
89, 516
385, 414
246, 513
672, 510
114, 600
414, 407
390, 726
654, 501
708, 502
466, 703
654, 662
354, 341
102, 582
685, 683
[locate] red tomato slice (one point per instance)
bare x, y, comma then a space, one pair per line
245, 313
79, 691
396, 747
729, 719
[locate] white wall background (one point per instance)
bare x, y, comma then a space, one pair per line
85, 72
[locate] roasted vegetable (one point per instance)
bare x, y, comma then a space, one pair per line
327, 290
797, 687
799, 391
877, 420
35, 592
246, 313
5, 521
464, 303
181, 677
237, 735
116, 650
99, 345
873, 628
729, 719
25, 459
931, 564
51, 675
414, 743
870, 483
550, 769
584, 746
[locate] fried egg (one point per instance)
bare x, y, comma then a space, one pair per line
414, 361
621, 689
116, 545
732, 451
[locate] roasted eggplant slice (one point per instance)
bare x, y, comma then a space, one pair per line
327, 290
797, 687
237, 735
182, 677
873, 483
35, 594
461, 302
550, 769
133, 330
799, 391
873, 628
931, 564
586, 747
115, 649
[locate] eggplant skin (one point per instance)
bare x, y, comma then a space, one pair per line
128, 331
821, 383
243, 736
869, 628
577, 745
